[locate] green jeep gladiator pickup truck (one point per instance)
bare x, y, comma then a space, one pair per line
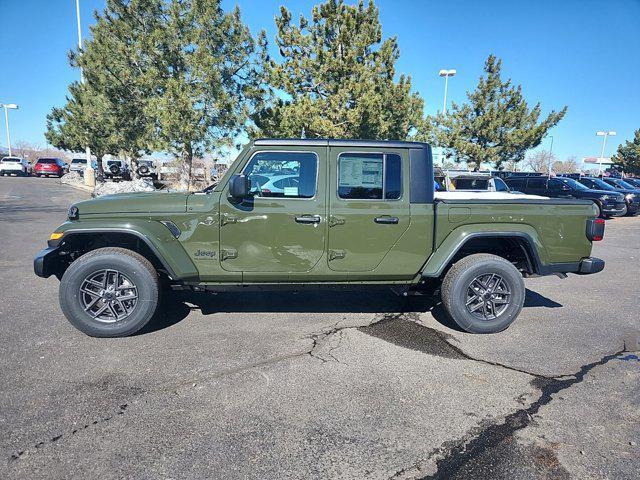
319, 214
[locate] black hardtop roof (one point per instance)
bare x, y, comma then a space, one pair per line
332, 142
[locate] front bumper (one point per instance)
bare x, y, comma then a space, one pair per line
46, 262
618, 208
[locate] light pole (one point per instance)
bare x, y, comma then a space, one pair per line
90, 175
7, 107
550, 154
446, 74
604, 144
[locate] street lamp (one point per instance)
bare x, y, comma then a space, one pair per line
550, 155
88, 149
446, 74
7, 107
604, 144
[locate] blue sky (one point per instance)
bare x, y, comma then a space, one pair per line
580, 53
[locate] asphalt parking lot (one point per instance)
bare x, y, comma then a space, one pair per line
317, 385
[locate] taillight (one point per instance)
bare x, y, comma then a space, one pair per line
595, 229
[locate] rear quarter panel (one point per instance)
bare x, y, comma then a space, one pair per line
556, 227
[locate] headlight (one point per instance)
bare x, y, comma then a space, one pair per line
630, 196
73, 213
605, 197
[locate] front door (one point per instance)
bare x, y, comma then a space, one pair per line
280, 229
368, 207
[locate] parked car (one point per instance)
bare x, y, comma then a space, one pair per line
459, 180
46, 167
275, 185
117, 169
15, 166
621, 185
631, 196
78, 165
146, 168
609, 203
364, 216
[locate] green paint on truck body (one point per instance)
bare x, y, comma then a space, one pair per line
260, 240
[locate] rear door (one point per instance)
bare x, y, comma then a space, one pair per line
368, 206
537, 186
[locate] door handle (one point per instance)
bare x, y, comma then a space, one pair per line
386, 220
308, 219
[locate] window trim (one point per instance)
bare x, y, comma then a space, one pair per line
315, 194
384, 177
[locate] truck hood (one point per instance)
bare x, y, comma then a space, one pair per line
140, 202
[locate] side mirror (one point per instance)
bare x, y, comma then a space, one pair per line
239, 186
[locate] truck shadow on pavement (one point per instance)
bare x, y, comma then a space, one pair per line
176, 306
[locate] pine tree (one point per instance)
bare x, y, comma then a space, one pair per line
175, 75
627, 158
336, 78
81, 122
496, 125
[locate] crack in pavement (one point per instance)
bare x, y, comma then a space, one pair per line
18, 454
458, 457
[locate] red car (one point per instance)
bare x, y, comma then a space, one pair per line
50, 166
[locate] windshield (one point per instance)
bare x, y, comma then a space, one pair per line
500, 185
633, 181
79, 160
470, 183
598, 184
13, 160
573, 184
623, 184
47, 160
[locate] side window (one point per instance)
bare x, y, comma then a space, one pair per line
555, 185
369, 176
516, 183
536, 184
500, 185
283, 174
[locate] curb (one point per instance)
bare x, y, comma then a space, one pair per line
84, 188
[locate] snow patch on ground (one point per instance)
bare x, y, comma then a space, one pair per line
72, 178
138, 185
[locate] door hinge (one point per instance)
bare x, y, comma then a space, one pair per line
228, 253
227, 218
333, 221
335, 254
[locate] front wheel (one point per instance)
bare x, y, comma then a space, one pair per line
483, 293
109, 292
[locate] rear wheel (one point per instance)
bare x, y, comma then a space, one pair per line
483, 293
109, 292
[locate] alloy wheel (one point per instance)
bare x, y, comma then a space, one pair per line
488, 296
108, 296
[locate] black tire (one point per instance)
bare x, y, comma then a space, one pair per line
457, 285
600, 215
132, 267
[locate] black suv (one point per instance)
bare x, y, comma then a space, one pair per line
610, 203
631, 194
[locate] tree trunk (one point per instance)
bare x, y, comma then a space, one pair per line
133, 167
186, 168
100, 170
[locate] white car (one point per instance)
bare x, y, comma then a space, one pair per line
78, 165
270, 185
15, 166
